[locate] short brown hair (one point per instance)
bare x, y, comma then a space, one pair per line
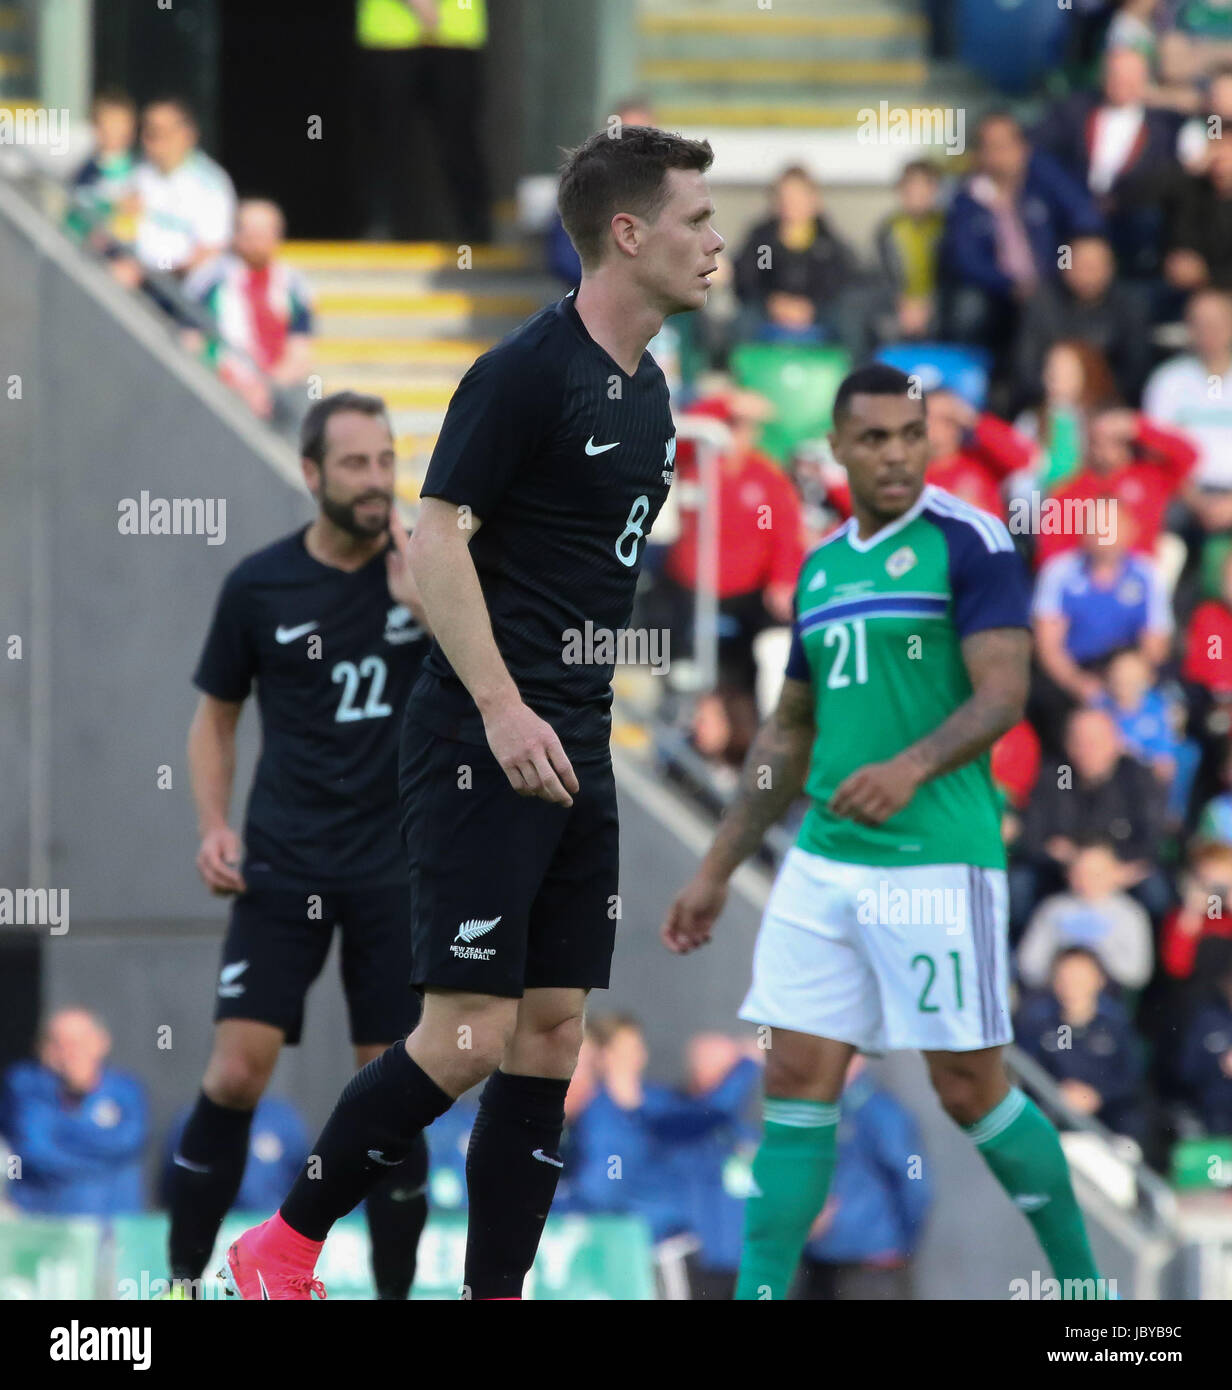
312, 432
622, 172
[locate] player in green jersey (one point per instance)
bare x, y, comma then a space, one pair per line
887, 925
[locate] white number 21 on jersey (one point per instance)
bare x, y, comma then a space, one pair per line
838, 636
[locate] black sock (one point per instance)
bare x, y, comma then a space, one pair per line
512, 1164
397, 1208
381, 1111
215, 1144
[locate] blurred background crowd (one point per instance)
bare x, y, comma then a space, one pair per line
1062, 285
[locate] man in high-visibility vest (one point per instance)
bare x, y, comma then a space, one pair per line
425, 55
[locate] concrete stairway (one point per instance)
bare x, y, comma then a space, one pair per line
808, 64
404, 321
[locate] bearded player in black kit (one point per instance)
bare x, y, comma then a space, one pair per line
555, 456
328, 623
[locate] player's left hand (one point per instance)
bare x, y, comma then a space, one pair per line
873, 793
398, 577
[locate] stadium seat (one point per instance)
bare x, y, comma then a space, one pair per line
800, 382
1191, 1162
1012, 45
963, 370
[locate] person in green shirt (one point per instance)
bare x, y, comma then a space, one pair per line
887, 926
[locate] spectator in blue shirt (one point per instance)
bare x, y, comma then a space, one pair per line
863, 1242
714, 1153
77, 1126
278, 1144
1081, 1034
618, 1156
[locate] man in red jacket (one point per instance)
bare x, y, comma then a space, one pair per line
760, 549
1141, 465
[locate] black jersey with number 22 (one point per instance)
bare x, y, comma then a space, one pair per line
566, 461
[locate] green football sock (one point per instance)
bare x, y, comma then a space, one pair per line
1024, 1152
791, 1176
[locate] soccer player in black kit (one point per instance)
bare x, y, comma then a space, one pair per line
328, 623
555, 456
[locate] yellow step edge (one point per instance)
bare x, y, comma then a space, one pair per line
382, 352
387, 255
410, 445
891, 71
755, 117
701, 22
397, 397
427, 305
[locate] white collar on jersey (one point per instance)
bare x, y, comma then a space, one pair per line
892, 528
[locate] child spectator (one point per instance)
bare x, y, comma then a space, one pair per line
1148, 721
908, 241
1095, 914
1080, 1033
1205, 909
77, 1125
103, 185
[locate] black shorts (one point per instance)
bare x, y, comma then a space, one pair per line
508, 892
274, 951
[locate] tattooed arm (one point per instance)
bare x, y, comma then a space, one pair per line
773, 777
998, 662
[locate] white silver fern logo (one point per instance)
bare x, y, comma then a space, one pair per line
474, 928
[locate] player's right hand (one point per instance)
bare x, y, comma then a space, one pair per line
531, 754
692, 916
218, 861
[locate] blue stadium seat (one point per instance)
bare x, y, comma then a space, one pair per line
963, 370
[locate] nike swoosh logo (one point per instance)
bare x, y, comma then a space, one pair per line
289, 634
592, 448
378, 1157
181, 1162
547, 1158
261, 1281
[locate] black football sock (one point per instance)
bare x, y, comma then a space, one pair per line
397, 1208
382, 1110
512, 1164
206, 1173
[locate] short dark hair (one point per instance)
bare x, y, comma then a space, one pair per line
178, 104
312, 431
925, 168
622, 172
112, 96
873, 379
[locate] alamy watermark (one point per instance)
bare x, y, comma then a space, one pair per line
913, 125
36, 125
625, 646
173, 516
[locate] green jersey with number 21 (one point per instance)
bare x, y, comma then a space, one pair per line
878, 633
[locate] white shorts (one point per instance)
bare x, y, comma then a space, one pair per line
884, 958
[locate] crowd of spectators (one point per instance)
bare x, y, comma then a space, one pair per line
1083, 263
167, 223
